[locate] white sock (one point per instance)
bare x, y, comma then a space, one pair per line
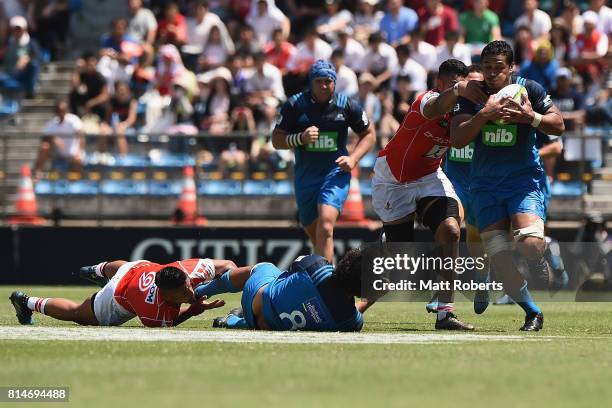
99, 269
443, 309
37, 304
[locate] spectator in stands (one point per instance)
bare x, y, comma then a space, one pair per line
569, 101
346, 80
5, 34
388, 124
198, 31
169, 68
303, 14
311, 49
117, 36
352, 50
524, 45
366, 97
89, 93
537, 20
333, 21
604, 13
235, 63
571, 18
120, 118
142, 26
265, 17
367, 20
247, 42
172, 28
216, 50
264, 88
454, 47
213, 115
119, 51
589, 49
423, 52
543, 67
380, 60
398, 22
480, 25
21, 62
63, 140
403, 96
560, 39
52, 21
279, 51
437, 19
408, 67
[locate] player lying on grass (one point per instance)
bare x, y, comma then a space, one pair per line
160, 295
310, 295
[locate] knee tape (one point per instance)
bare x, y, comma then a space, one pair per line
536, 229
496, 241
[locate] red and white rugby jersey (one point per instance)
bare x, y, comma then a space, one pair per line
419, 144
138, 294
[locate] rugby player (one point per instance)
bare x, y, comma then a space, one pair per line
311, 295
315, 125
160, 295
506, 174
408, 179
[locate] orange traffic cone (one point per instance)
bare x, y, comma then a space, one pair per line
25, 205
187, 209
353, 211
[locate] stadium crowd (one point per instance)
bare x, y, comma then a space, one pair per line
225, 66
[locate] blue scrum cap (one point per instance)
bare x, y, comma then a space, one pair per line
322, 69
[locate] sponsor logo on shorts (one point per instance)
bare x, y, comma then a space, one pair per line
499, 135
150, 298
314, 310
327, 142
463, 155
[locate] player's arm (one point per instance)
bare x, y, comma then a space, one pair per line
466, 126
550, 123
223, 265
281, 139
364, 145
435, 105
196, 308
550, 150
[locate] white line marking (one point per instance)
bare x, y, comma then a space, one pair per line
241, 336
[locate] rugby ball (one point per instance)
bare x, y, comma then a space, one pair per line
514, 91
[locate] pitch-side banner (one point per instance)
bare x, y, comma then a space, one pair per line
50, 255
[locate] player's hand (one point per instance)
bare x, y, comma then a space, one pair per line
514, 112
346, 163
200, 305
310, 135
473, 91
493, 110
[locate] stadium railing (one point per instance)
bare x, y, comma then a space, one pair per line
145, 183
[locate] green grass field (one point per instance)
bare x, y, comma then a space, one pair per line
568, 364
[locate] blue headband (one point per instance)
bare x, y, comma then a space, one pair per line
322, 69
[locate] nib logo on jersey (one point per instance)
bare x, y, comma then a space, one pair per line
499, 135
327, 142
463, 155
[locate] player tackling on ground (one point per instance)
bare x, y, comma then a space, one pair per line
408, 179
315, 125
160, 295
506, 174
311, 295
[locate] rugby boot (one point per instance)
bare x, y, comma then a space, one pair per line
451, 322
533, 322
20, 303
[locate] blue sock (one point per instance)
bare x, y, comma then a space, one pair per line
222, 284
235, 322
523, 299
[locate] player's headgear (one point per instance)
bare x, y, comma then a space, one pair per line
170, 278
322, 69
